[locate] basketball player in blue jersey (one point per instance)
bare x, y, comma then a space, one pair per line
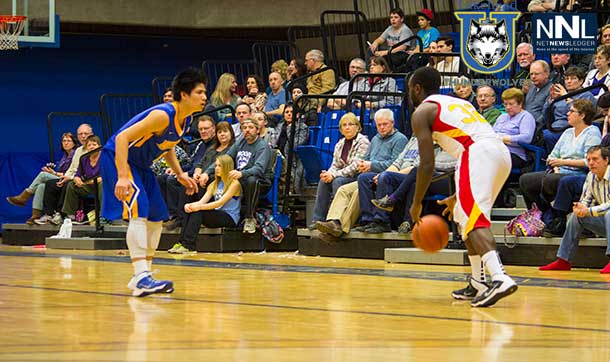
482, 168
130, 189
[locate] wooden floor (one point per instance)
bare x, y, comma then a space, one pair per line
74, 306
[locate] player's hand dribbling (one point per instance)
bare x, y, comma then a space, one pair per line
449, 203
415, 212
189, 183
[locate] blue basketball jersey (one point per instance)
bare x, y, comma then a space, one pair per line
144, 151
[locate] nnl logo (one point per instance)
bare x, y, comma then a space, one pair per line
565, 33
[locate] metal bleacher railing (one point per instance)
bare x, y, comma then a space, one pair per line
240, 68
118, 108
266, 53
159, 85
61, 122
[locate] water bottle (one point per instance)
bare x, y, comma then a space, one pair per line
66, 228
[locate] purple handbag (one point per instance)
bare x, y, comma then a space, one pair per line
527, 224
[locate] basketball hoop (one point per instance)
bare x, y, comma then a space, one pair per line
10, 28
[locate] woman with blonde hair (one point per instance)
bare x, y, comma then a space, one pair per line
225, 94
223, 211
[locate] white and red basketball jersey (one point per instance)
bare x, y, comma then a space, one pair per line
458, 124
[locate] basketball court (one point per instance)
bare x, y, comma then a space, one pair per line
69, 305
74, 305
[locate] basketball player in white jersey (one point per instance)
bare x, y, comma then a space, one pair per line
482, 168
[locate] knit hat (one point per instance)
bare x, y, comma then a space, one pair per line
426, 13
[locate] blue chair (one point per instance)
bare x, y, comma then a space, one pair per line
537, 152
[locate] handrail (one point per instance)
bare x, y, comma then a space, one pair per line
61, 114
357, 14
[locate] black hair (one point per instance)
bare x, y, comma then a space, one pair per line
446, 38
398, 11
259, 82
429, 78
186, 81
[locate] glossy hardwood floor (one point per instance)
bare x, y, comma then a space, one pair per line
74, 306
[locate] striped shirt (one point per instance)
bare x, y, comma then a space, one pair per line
596, 193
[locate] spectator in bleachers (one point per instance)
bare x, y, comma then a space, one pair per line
383, 151
322, 82
168, 95
395, 33
277, 97
515, 126
281, 67
463, 89
537, 6
525, 58
486, 100
356, 66
160, 166
252, 157
600, 73
539, 90
225, 94
54, 190
446, 63
255, 93
574, 78
379, 84
296, 68
567, 157
48, 172
301, 137
346, 156
88, 169
506, 5
432, 60
427, 33
173, 191
242, 112
308, 114
269, 134
590, 213
560, 63
395, 187
223, 211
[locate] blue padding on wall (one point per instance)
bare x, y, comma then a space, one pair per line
17, 170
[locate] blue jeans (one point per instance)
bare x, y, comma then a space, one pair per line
568, 192
325, 194
600, 225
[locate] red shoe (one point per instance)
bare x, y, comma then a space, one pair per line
560, 264
606, 269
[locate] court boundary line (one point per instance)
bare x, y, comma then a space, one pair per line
405, 274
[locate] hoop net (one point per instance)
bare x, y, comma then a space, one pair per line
10, 28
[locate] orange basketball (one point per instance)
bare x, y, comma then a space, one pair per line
431, 234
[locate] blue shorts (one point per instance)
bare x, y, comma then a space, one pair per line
146, 202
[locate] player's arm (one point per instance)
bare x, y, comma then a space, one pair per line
155, 123
422, 120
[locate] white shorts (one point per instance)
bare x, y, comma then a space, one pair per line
480, 174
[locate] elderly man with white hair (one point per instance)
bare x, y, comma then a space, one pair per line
385, 148
322, 82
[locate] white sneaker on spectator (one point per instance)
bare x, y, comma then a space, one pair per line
43, 220
57, 219
249, 226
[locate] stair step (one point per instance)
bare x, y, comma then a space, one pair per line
417, 256
86, 243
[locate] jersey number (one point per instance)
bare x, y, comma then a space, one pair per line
471, 114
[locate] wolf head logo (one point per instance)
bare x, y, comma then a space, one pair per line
487, 43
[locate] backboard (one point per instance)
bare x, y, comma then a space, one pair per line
42, 26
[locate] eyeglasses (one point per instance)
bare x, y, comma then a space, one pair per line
572, 110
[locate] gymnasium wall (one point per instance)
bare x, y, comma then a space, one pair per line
71, 79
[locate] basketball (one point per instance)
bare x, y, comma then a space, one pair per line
431, 234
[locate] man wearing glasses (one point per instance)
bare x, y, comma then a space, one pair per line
486, 100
